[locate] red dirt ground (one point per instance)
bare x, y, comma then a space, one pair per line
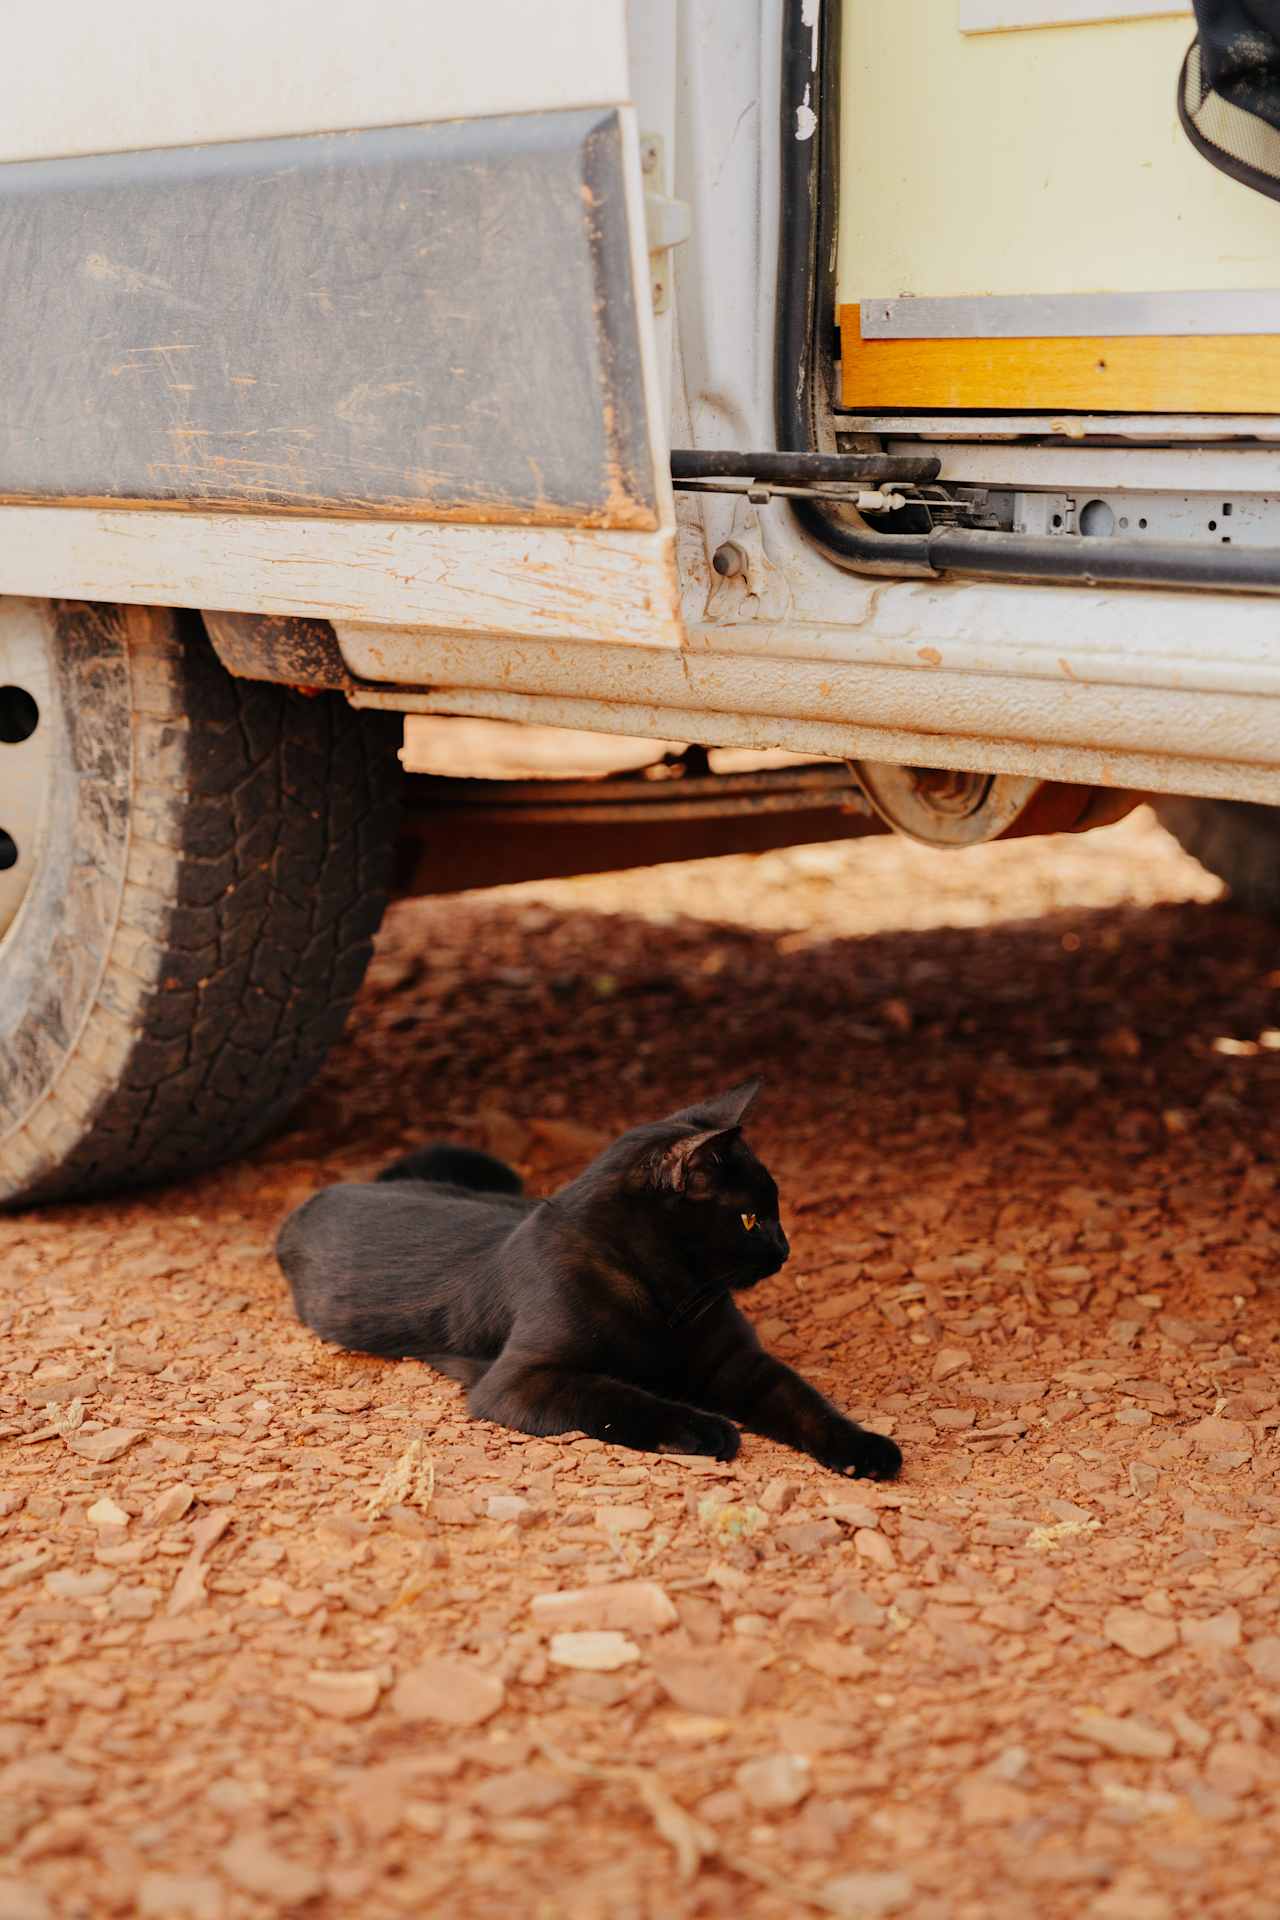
274, 1619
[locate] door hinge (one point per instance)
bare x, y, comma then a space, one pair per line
667, 222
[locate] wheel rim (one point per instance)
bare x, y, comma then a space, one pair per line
26, 751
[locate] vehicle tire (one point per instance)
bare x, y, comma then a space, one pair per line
192, 869
1236, 841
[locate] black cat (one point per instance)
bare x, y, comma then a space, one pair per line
606, 1310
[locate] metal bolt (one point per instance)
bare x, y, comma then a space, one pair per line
729, 559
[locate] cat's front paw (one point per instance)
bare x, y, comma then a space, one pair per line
704, 1433
862, 1455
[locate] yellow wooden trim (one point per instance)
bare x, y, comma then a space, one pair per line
1233, 373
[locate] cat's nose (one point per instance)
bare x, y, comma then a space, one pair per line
781, 1242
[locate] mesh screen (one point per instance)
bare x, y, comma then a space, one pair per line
1229, 92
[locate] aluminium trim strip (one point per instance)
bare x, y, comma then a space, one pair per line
1067, 316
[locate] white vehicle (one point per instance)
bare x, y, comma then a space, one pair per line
887, 388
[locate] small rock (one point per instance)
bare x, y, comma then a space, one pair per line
1220, 1436
806, 1537
1140, 1633
341, 1695
779, 1495
23, 1900
949, 1360
254, 1866
873, 1547
28, 1567
105, 1513
776, 1781
953, 1418
105, 1446
80, 1586
1263, 1656
511, 1507
623, 1519
592, 1652
703, 1683
452, 1693
631, 1605
169, 1506
1219, 1632
985, 1802
1143, 1479
853, 1513
524, 1790
190, 1896
1135, 1739
865, 1896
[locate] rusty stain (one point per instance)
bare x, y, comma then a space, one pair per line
1066, 668
930, 656
261, 498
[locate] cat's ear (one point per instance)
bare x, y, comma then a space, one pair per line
688, 1165
725, 1111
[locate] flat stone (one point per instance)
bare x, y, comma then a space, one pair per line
1263, 1657
1135, 1739
105, 1446
991, 1803
865, 1896
452, 1693
193, 1896
592, 1652
873, 1547
253, 1865
348, 1695
775, 1781
630, 1605
1221, 1631
706, 1683
1140, 1633
623, 1519
523, 1790
106, 1513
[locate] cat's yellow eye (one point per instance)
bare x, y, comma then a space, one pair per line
748, 1221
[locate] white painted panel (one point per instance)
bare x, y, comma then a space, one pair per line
107, 76
542, 583
998, 16
1039, 162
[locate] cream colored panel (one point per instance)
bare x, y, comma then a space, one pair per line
1042, 161
108, 76
1000, 16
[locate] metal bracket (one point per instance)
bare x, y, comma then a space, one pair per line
667, 222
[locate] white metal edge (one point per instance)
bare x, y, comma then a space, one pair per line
1005, 16
80, 77
1144, 772
1071, 316
542, 583
1032, 702
1222, 470
1137, 428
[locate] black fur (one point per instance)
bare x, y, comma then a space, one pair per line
606, 1310
456, 1167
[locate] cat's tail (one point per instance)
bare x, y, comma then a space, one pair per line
456, 1167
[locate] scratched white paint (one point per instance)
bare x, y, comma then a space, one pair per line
544, 583
81, 76
1019, 695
